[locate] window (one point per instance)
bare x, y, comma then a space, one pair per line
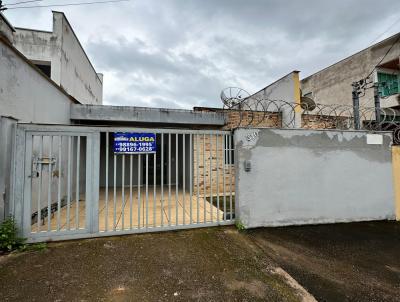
44, 66
388, 83
229, 149
46, 69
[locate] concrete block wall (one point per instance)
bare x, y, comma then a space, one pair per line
235, 118
313, 121
220, 168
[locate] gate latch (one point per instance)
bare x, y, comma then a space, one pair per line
45, 160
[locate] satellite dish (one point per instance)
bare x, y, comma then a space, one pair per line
307, 103
233, 96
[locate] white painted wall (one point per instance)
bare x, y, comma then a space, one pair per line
303, 176
70, 66
78, 76
26, 94
282, 92
282, 89
7, 128
6, 29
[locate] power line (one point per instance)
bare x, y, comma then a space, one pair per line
381, 60
68, 4
393, 24
22, 2
360, 87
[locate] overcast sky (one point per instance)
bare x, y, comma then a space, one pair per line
182, 53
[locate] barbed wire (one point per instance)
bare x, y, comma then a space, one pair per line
254, 111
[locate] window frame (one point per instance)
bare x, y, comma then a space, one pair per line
381, 89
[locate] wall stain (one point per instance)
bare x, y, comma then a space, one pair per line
320, 142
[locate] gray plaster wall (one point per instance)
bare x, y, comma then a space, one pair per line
303, 176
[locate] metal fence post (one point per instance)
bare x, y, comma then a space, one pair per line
356, 106
377, 104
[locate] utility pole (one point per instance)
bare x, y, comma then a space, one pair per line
377, 104
356, 104
2, 7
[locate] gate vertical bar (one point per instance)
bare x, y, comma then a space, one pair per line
211, 195
197, 177
69, 182
204, 180
39, 200
176, 177
106, 191
230, 177
183, 179
191, 175
59, 182
154, 188
50, 180
223, 174
123, 192
217, 163
169, 179
162, 179
78, 146
147, 190
139, 187
130, 189
115, 193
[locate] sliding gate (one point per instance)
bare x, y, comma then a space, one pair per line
81, 182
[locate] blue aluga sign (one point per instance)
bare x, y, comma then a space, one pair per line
134, 143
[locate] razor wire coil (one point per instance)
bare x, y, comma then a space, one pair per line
254, 111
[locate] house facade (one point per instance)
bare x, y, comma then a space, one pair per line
71, 167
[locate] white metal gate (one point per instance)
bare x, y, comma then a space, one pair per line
54, 176
75, 186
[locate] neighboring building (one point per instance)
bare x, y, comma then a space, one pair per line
26, 94
332, 85
284, 89
59, 55
275, 105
